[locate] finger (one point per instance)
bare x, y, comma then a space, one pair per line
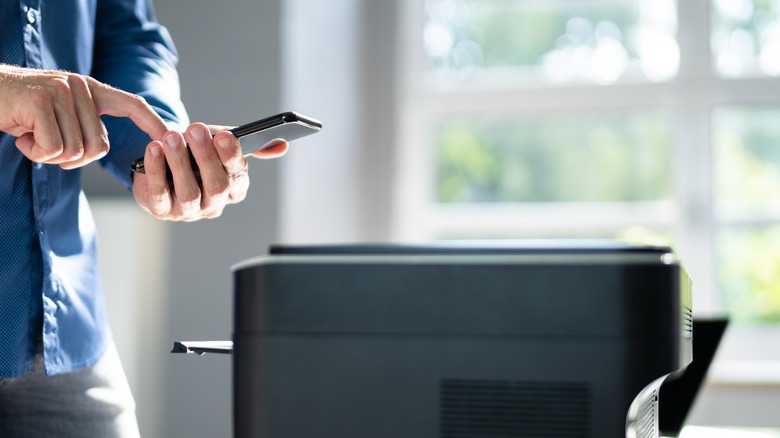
96, 152
273, 149
114, 102
45, 141
93, 132
68, 122
215, 181
228, 148
25, 143
236, 166
186, 190
157, 197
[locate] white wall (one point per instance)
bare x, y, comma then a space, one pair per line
320, 185
339, 67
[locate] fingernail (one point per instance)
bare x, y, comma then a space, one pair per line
172, 140
224, 142
154, 150
197, 133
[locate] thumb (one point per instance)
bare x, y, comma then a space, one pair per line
272, 149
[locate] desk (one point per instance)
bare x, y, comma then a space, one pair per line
727, 432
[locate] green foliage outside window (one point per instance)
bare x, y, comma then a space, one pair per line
749, 273
747, 182
521, 33
567, 158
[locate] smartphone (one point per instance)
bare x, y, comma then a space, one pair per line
288, 126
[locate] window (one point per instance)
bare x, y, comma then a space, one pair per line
638, 119
745, 38
747, 201
549, 159
601, 41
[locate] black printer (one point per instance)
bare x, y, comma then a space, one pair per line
458, 340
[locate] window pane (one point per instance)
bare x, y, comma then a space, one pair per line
749, 272
747, 160
565, 158
555, 41
746, 37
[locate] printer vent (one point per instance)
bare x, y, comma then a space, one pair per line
502, 408
687, 322
647, 418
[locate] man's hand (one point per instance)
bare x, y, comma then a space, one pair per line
55, 115
222, 178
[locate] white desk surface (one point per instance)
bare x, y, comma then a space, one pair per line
727, 432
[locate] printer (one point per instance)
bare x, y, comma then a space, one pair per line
458, 340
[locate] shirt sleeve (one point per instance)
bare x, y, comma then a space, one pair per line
136, 54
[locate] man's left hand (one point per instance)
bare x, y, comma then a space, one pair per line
222, 177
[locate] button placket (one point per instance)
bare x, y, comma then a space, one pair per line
31, 14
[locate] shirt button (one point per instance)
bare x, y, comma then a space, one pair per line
31, 16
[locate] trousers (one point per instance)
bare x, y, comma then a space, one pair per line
91, 402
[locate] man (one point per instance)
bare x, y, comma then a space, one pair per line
63, 64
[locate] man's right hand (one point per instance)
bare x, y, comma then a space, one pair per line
55, 115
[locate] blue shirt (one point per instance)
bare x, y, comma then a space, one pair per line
49, 282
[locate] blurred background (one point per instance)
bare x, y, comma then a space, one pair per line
654, 121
